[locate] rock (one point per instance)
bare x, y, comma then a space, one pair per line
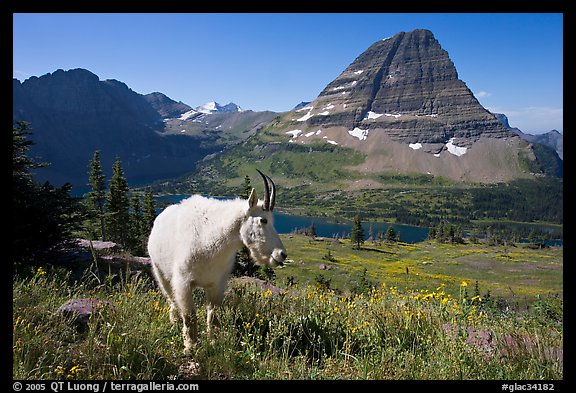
401, 104
408, 86
261, 284
135, 263
506, 345
73, 112
82, 309
325, 267
109, 257
188, 370
98, 245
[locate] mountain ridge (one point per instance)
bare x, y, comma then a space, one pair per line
399, 107
73, 113
552, 138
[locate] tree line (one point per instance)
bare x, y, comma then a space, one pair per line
114, 214
46, 219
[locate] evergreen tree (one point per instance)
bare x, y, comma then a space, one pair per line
246, 188
117, 205
97, 197
432, 233
451, 234
357, 236
441, 232
390, 234
43, 217
312, 230
149, 213
135, 229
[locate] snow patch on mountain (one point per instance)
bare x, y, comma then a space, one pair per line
456, 150
306, 116
372, 115
359, 133
294, 133
187, 115
214, 107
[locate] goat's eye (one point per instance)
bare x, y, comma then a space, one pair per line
264, 221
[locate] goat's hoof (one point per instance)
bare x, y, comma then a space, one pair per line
189, 348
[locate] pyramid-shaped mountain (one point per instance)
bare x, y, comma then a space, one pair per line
408, 85
402, 105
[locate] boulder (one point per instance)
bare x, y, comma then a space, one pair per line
82, 309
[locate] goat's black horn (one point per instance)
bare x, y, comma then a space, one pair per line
266, 191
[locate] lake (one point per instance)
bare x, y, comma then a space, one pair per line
326, 227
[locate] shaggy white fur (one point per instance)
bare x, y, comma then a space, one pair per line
194, 243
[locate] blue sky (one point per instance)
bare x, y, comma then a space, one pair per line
513, 63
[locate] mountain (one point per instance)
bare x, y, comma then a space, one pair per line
302, 104
73, 113
218, 129
398, 109
165, 106
552, 139
214, 107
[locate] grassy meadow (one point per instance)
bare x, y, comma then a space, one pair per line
388, 311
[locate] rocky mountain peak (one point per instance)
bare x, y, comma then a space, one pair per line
401, 105
166, 107
407, 87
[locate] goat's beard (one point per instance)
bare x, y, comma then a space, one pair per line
263, 259
258, 258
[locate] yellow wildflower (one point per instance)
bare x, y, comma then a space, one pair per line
267, 293
40, 271
74, 371
59, 371
464, 284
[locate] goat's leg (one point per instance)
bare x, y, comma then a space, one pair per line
185, 304
214, 295
190, 331
166, 289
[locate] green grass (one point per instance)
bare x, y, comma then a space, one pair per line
421, 325
515, 273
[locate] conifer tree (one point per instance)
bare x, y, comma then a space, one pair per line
246, 188
97, 197
43, 217
357, 236
118, 205
149, 213
135, 229
390, 234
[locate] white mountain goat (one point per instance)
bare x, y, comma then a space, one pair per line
194, 243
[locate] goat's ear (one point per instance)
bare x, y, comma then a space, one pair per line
253, 199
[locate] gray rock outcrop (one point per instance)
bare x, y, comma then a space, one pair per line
407, 86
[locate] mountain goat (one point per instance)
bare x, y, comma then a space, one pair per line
194, 243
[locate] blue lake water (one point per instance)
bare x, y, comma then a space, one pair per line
327, 227
332, 227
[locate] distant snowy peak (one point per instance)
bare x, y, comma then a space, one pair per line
214, 107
